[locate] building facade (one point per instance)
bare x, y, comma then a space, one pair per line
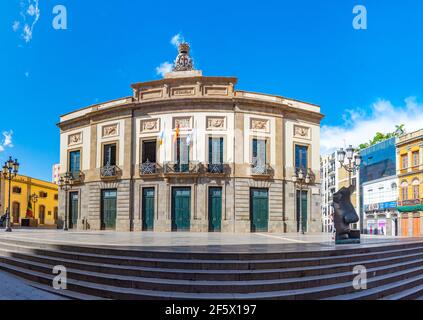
410, 176
379, 189
329, 175
191, 153
45, 206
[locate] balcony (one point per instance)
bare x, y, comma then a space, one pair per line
149, 168
258, 169
175, 168
77, 176
217, 169
109, 172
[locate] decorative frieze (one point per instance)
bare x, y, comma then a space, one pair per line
151, 94
216, 123
216, 91
182, 123
302, 132
110, 131
150, 125
183, 91
75, 138
260, 125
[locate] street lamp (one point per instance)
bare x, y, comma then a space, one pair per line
10, 171
34, 199
65, 183
301, 180
354, 160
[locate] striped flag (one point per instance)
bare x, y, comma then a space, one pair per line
177, 132
162, 137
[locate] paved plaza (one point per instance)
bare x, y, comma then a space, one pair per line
197, 242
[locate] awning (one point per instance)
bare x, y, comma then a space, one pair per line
415, 208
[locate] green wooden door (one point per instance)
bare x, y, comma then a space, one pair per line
302, 222
181, 209
73, 209
108, 209
259, 210
148, 209
215, 209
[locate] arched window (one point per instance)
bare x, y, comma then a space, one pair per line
416, 189
16, 212
404, 190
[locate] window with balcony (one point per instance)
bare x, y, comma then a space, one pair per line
109, 160
148, 158
301, 157
215, 155
416, 158
75, 163
259, 161
404, 161
182, 155
416, 192
404, 191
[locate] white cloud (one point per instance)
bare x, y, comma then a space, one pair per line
360, 126
7, 141
30, 14
16, 25
177, 39
164, 68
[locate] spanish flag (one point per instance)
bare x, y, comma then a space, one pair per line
29, 212
177, 132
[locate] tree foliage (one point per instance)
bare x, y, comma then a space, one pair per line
379, 137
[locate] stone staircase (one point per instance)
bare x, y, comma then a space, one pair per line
393, 272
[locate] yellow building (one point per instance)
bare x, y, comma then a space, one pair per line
23, 189
410, 175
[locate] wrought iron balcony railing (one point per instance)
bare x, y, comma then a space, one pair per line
109, 171
261, 169
181, 168
77, 176
149, 168
216, 168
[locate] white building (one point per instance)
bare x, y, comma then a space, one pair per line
379, 204
329, 175
56, 173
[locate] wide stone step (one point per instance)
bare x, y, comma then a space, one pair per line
210, 264
409, 294
213, 286
221, 275
111, 292
196, 254
397, 290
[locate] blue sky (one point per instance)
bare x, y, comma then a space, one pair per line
364, 80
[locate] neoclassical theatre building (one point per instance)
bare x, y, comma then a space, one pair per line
191, 153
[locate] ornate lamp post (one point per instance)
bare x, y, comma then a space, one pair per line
301, 180
354, 160
65, 183
10, 171
34, 199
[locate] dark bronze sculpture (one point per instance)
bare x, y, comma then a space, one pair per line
344, 215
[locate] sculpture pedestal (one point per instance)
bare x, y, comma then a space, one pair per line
354, 238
